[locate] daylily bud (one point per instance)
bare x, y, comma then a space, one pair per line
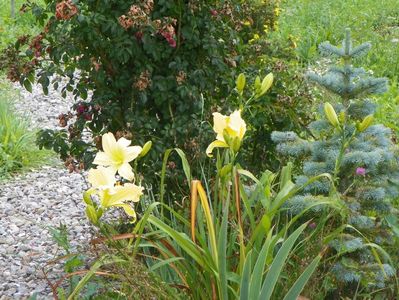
365, 123
146, 148
236, 144
240, 83
225, 170
342, 116
87, 198
331, 114
266, 84
227, 138
92, 214
257, 85
100, 212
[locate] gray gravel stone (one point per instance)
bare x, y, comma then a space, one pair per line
32, 202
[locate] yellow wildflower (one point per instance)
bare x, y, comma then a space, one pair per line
230, 131
117, 155
111, 194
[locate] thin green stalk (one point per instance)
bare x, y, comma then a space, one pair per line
344, 145
338, 162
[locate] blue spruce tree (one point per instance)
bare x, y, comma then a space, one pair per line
363, 163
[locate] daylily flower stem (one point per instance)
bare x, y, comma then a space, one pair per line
135, 170
248, 102
104, 230
345, 143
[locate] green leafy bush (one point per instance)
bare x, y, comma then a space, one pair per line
153, 67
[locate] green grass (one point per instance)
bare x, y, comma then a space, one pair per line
18, 151
310, 22
314, 21
12, 28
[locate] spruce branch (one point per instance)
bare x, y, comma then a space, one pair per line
326, 49
369, 86
360, 50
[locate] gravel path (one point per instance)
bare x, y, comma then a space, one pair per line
30, 203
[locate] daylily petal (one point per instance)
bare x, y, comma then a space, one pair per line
123, 142
220, 137
114, 168
131, 153
105, 197
237, 124
128, 210
215, 144
102, 159
108, 143
126, 171
126, 192
101, 177
219, 123
116, 154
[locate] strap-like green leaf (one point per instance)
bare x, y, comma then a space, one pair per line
285, 175
98, 264
222, 249
184, 242
278, 264
257, 274
300, 283
244, 285
186, 166
164, 262
186, 169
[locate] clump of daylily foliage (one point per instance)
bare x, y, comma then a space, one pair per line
231, 212
231, 241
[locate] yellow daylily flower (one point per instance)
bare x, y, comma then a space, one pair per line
120, 194
213, 145
117, 155
104, 184
232, 127
101, 177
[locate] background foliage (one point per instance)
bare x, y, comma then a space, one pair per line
11, 29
